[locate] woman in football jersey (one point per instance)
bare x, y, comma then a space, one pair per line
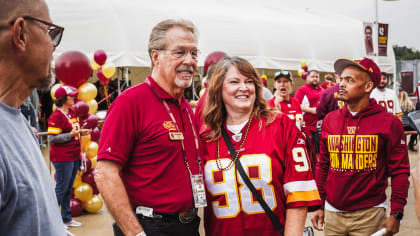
64, 135
282, 100
270, 148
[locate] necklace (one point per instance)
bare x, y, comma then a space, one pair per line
228, 167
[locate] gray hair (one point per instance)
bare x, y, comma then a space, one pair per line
157, 36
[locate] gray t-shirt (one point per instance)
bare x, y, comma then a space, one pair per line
28, 205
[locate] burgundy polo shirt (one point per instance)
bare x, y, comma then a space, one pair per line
136, 135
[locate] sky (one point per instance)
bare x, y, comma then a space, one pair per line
403, 16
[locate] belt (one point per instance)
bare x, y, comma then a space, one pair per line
183, 217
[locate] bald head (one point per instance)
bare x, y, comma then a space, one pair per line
11, 9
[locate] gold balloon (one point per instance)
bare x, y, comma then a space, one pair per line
53, 89
108, 70
94, 161
94, 204
83, 192
87, 92
54, 107
85, 140
300, 72
92, 150
303, 63
93, 106
77, 181
95, 65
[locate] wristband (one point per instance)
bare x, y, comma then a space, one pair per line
142, 233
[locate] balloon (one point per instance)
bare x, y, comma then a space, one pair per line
305, 68
84, 192
93, 106
81, 108
94, 134
91, 150
202, 91
102, 79
88, 168
76, 207
303, 63
108, 70
73, 68
54, 107
94, 204
89, 178
85, 140
300, 71
77, 181
95, 65
100, 57
212, 58
53, 89
90, 122
94, 161
87, 92
304, 75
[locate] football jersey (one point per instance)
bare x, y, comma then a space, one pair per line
387, 99
275, 159
309, 96
58, 123
291, 108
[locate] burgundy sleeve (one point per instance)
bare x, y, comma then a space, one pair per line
398, 167
321, 109
119, 131
323, 164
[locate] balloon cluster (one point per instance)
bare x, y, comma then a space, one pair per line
103, 70
303, 71
73, 68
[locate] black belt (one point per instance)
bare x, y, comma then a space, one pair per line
184, 217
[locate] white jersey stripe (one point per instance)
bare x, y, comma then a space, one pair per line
307, 185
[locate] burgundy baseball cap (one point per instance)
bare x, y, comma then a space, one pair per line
365, 64
65, 90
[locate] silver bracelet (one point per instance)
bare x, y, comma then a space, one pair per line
142, 233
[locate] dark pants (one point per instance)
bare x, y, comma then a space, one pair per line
166, 226
65, 172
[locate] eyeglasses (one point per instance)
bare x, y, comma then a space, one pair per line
54, 31
180, 53
284, 73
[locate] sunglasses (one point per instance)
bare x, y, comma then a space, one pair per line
54, 31
284, 73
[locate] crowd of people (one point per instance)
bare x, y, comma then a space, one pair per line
257, 164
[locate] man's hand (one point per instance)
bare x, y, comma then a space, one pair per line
318, 220
277, 101
391, 224
35, 132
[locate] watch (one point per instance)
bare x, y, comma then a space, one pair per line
142, 233
398, 215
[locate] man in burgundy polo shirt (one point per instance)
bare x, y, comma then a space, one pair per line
149, 156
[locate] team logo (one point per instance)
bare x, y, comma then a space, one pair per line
169, 125
300, 141
351, 129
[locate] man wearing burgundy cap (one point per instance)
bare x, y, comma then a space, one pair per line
149, 162
28, 205
361, 146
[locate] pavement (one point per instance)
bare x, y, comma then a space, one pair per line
101, 223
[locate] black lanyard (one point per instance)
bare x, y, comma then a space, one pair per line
197, 147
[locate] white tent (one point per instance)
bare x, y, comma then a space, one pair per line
269, 37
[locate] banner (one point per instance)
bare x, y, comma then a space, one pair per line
382, 39
407, 82
368, 29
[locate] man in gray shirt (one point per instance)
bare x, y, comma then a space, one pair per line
28, 205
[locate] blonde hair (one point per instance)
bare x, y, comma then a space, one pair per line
405, 102
214, 113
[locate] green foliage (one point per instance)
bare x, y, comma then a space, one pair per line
404, 53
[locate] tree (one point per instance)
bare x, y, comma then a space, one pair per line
405, 53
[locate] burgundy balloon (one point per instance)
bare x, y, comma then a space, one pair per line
81, 108
305, 68
88, 167
102, 78
90, 122
100, 57
89, 178
76, 207
304, 75
73, 68
94, 134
